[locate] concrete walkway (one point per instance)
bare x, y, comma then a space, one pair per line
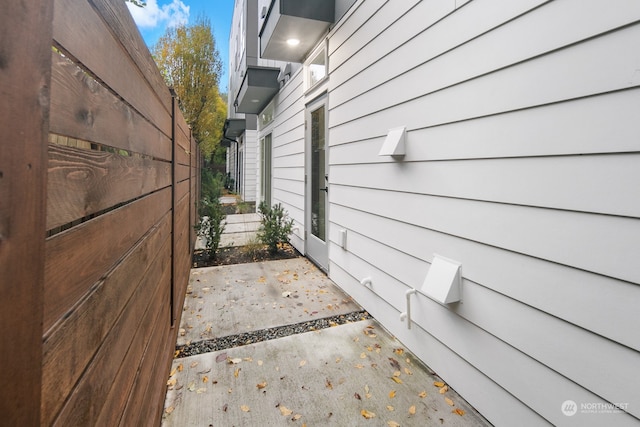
239, 230
354, 374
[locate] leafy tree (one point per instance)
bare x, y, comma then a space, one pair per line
190, 62
137, 2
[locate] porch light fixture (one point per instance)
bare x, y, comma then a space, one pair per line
293, 42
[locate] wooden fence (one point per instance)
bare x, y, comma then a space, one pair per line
99, 177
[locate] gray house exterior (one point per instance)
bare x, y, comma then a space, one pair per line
482, 153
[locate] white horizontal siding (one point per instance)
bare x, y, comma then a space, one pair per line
501, 100
606, 184
597, 124
288, 155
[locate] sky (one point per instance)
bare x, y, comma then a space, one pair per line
158, 15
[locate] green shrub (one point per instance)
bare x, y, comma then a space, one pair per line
211, 226
276, 226
212, 184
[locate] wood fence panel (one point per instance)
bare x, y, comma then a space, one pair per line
83, 34
77, 258
81, 334
129, 333
83, 182
24, 112
83, 108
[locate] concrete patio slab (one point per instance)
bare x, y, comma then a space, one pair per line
349, 375
233, 299
240, 229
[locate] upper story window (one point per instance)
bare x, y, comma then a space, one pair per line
266, 116
316, 67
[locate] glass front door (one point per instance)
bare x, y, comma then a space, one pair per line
317, 188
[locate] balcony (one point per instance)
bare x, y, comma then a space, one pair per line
259, 86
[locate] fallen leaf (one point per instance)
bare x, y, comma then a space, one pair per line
368, 415
390, 408
393, 424
368, 395
359, 366
225, 407
296, 417
173, 372
172, 382
328, 384
363, 355
407, 371
261, 385
193, 364
169, 410
234, 361
205, 379
284, 411
394, 363
357, 396
444, 389
397, 374
438, 384
392, 394
248, 359
262, 279
237, 372
397, 380
412, 409
458, 411
398, 351
422, 394
302, 363
449, 401
206, 371
221, 357
191, 386
338, 360
245, 408
366, 388
201, 390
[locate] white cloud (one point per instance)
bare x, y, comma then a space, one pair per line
153, 15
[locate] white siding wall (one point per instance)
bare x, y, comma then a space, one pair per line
250, 166
523, 154
288, 154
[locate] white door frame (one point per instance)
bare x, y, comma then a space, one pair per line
317, 186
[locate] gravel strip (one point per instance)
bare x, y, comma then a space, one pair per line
238, 340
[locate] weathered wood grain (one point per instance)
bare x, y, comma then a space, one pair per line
81, 334
75, 23
24, 111
79, 257
85, 109
83, 182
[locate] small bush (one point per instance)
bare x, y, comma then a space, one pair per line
211, 224
276, 226
253, 248
212, 184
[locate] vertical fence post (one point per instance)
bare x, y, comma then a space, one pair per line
174, 107
25, 75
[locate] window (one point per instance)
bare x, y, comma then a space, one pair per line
316, 68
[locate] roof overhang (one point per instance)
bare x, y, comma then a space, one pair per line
233, 128
259, 86
303, 20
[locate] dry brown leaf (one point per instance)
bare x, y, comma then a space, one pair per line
392, 394
201, 390
193, 364
205, 379
237, 371
172, 382
296, 417
303, 362
366, 388
245, 408
397, 380
458, 411
233, 361
449, 401
359, 366
191, 386
390, 408
338, 359
173, 372
169, 410
284, 411
328, 384
397, 374
394, 363
398, 351
368, 395
444, 389
438, 383
261, 385
412, 409
357, 396
363, 355
393, 424
368, 415
422, 394
407, 371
